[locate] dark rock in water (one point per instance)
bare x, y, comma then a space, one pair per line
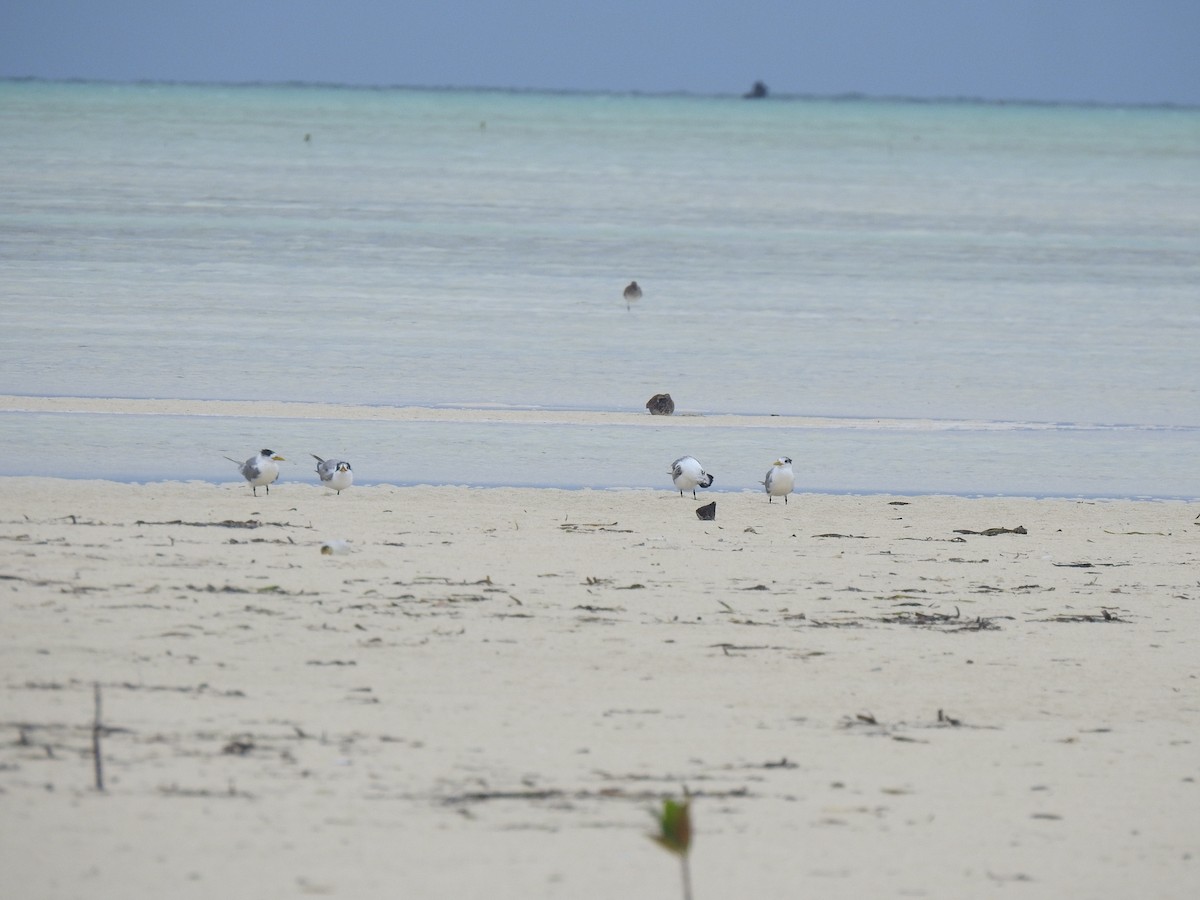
757, 92
707, 513
660, 405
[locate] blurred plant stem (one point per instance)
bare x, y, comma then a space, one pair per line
675, 835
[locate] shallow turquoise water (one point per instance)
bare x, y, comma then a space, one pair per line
1015, 264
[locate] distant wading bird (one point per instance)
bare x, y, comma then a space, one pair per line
259, 470
688, 474
335, 473
780, 480
632, 293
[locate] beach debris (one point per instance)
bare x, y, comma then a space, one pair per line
225, 523
97, 728
944, 621
605, 792
992, 532
707, 513
234, 589
737, 649
675, 834
335, 548
833, 623
484, 796
783, 763
945, 719
980, 623
867, 723
660, 405
238, 747
594, 526
174, 790
1103, 616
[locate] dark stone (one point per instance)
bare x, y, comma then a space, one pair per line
660, 405
707, 513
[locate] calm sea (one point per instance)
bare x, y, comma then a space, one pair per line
1015, 288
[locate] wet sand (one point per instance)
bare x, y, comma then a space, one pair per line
485, 697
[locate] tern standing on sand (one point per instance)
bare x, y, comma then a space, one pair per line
780, 480
688, 474
335, 473
259, 471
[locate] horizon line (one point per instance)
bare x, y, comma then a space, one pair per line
787, 96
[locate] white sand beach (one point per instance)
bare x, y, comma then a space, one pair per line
867, 696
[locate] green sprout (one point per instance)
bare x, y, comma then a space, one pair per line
675, 835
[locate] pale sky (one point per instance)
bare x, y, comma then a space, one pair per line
1106, 51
